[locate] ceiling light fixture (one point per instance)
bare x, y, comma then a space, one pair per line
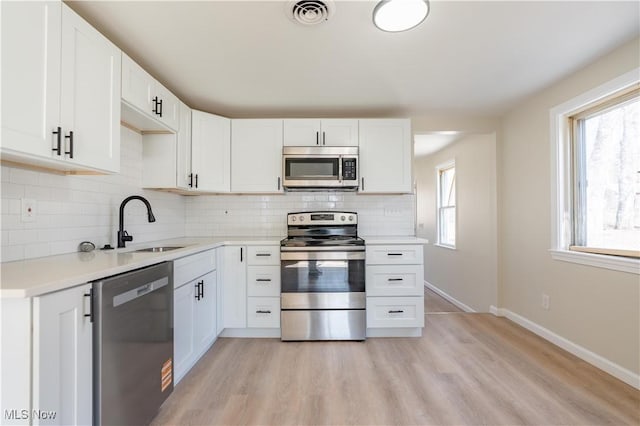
400, 15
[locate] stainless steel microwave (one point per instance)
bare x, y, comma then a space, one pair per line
320, 168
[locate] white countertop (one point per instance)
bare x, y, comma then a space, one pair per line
393, 240
34, 277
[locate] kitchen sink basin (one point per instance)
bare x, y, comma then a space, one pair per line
158, 249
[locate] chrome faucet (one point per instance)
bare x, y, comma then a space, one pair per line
123, 236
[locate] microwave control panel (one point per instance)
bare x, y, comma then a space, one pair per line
349, 169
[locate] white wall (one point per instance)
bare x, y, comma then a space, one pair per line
598, 309
72, 209
468, 273
265, 215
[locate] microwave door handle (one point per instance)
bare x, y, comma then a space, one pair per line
340, 160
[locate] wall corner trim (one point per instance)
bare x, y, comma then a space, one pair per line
617, 371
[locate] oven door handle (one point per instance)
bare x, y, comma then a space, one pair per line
320, 248
322, 255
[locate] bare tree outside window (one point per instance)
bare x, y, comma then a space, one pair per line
607, 176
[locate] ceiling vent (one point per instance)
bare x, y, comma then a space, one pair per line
310, 12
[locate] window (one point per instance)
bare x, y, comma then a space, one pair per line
446, 202
595, 153
605, 150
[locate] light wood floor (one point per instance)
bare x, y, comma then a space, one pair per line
467, 369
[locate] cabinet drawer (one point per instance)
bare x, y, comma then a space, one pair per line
395, 312
263, 281
395, 280
263, 255
263, 312
191, 267
394, 255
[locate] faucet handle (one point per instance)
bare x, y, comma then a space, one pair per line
126, 236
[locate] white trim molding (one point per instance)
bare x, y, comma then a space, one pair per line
449, 298
617, 263
617, 371
561, 220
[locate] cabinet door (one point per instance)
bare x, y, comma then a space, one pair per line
339, 132
235, 286
385, 156
90, 95
256, 156
62, 358
301, 132
210, 152
183, 328
137, 85
169, 111
183, 152
220, 291
30, 76
205, 318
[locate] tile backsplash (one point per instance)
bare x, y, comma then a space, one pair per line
71, 209
265, 215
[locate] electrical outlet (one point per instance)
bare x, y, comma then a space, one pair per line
28, 209
545, 302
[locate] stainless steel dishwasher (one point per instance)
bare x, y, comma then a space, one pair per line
132, 345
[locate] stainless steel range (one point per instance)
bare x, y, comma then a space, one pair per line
322, 275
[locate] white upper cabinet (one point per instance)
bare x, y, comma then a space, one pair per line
90, 94
143, 94
314, 132
62, 80
210, 152
385, 156
256, 155
184, 177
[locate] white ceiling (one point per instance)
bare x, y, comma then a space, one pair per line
247, 59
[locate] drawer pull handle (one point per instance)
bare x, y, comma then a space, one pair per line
263, 254
263, 280
263, 312
396, 312
58, 140
394, 254
395, 279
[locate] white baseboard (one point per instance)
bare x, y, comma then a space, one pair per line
394, 332
456, 302
258, 333
617, 371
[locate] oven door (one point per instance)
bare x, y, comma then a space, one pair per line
322, 271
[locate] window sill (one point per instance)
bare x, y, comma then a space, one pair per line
445, 246
616, 263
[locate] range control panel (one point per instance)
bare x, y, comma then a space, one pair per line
322, 218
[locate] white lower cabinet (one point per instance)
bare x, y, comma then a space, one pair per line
194, 303
395, 290
62, 357
251, 291
47, 359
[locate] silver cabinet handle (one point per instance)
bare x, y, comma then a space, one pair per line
362, 184
263, 312
263, 280
396, 312
263, 254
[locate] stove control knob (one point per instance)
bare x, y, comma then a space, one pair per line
301, 218
293, 219
342, 218
350, 218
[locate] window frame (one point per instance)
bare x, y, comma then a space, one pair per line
562, 178
451, 164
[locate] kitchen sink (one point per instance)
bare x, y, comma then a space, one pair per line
158, 249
